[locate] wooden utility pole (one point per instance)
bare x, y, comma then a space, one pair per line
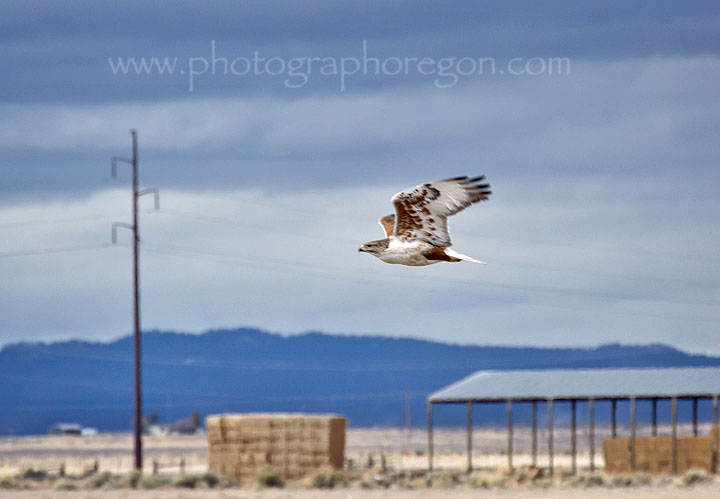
408, 424
136, 289
431, 447
469, 436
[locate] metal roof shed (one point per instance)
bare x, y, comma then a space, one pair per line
573, 385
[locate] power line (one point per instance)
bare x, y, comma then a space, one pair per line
499, 261
330, 273
324, 237
547, 242
53, 221
356, 275
182, 250
49, 251
246, 225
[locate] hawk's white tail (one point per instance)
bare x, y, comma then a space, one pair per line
455, 254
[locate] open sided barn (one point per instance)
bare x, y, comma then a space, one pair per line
570, 386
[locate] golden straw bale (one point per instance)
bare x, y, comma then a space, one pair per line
617, 454
695, 453
294, 444
213, 424
232, 421
712, 431
295, 422
654, 454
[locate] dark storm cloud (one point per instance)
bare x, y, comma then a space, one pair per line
601, 227
628, 119
59, 51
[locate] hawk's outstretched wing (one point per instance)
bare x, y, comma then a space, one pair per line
422, 211
388, 224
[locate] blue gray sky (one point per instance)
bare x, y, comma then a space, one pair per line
278, 131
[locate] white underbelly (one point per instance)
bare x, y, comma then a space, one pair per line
407, 253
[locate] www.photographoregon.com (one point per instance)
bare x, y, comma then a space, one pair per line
296, 72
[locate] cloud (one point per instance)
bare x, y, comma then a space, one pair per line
610, 124
289, 262
59, 52
634, 104
601, 227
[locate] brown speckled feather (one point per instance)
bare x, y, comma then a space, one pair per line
388, 224
422, 211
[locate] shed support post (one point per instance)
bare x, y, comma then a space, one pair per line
695, 416
715, 431
632, 434
613, 417
591, 425
430, 435
469, 436
673, 402
534, 433
573, 435
510, 434
550, 435
654, 417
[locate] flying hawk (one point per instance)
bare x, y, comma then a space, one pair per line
417, 234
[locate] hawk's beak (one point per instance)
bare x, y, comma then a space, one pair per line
362, 248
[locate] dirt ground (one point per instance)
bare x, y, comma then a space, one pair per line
402, 451
394, 447
698, 492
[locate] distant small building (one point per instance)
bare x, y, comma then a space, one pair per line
156, 429
88, 431
187, 426
66, 429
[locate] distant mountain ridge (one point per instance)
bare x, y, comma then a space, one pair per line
363, 377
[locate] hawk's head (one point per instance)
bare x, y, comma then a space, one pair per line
375, 247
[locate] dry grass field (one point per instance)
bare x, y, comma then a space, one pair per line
373, 455
700, 492
113, 451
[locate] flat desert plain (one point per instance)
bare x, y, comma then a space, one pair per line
399, 449
366, 449
667, 492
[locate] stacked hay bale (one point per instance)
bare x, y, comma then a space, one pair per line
294, 445
616, 454
654, 454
